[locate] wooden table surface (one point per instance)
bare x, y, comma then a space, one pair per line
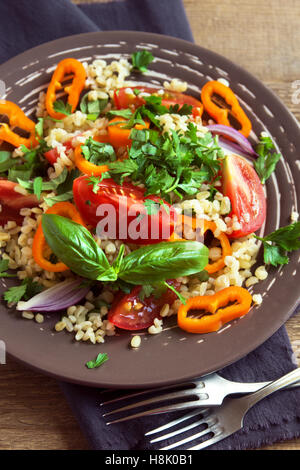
263, 36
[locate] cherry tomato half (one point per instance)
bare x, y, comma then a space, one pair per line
124, 99
128, 218
245, 191
12, 201
129, 312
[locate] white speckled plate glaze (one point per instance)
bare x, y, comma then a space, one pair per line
173, 355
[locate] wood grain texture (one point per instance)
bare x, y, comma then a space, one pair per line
263, 36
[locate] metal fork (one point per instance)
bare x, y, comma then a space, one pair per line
209, 390
221, 421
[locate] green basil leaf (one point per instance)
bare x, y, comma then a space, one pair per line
74, 246
165, 260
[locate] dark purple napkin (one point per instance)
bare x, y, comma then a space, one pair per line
25, 24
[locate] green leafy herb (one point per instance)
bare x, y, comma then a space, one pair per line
67, 196
74, 245
277, 243
64, 108
140, 60
125, 113
98, 153
37, 186
45, 185
100, 359
6, 161
118, 261
96, 180
92, 108
39, 127
30, 165
166, 163
27, 289
4, 267
267, 160
162, 261
172, 288
146, 291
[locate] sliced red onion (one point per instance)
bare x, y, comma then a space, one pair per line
56, 298
226, 144
239, 138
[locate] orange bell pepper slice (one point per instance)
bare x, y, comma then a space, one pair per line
225, 245
119, 137
40, 247
215, 305
222, 114
205, 225
64, 69
17, 118
87, 167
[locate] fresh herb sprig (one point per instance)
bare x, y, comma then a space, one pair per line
92, 108
27, 289
279, 242
64, 108
94, 363
140, 60
267, 159
4, 267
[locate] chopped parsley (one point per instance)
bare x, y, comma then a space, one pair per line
98, 152
267, 159
140, 60
92, 108
100, 359
4, 267
64, 108
27, 289
277, 243
165, 163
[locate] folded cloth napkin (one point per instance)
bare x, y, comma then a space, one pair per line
25, 24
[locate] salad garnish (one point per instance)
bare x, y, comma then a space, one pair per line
140, 60
267, 159
277, 243
100, 359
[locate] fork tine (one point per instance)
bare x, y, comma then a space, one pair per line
208, 430
162, 409
184, 429
126, 396
218, 436
175, 422
155, 400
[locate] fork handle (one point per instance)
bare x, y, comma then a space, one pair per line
283, 382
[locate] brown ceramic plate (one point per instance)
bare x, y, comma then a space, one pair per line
173, 355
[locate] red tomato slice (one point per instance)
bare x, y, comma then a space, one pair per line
129, 312
124, 222
12, 202
245, 191
125, 99
52, 155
